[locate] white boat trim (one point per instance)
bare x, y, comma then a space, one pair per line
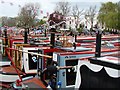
26, 61
2, 63
95, 68
8, 78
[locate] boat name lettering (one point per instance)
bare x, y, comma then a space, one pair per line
70, 56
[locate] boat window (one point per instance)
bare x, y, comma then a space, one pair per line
33, 60
70, 73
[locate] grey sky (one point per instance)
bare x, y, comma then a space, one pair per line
46, 5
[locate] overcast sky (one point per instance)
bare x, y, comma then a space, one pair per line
46, 5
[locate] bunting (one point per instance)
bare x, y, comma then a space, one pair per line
54, 15
47, 13
11, 4
19, 5
59, 17
41, 11
2, 2
35, 11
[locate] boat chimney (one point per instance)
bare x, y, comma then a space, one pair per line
98, 43
75, 38
25, 36
6, 39
45, 32
52, 38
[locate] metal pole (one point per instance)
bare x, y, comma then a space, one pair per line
98, 44
45, 32
52, 39
6, 41
28, 30
75, 38
25, 36
6, 38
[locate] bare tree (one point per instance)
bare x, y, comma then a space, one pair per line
63, 7
90, 15
77, 13
27, 15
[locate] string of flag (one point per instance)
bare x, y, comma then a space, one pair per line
42, 12
35, 11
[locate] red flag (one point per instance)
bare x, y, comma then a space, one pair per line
35, 11
54, 15
11, 4
72, 20
41, 12
47, 13
59, 17
2, 2
19, 5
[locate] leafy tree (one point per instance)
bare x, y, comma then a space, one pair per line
8, 21
11, 22
108, 15
111, 20
118, 15
41, 22
4, 21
